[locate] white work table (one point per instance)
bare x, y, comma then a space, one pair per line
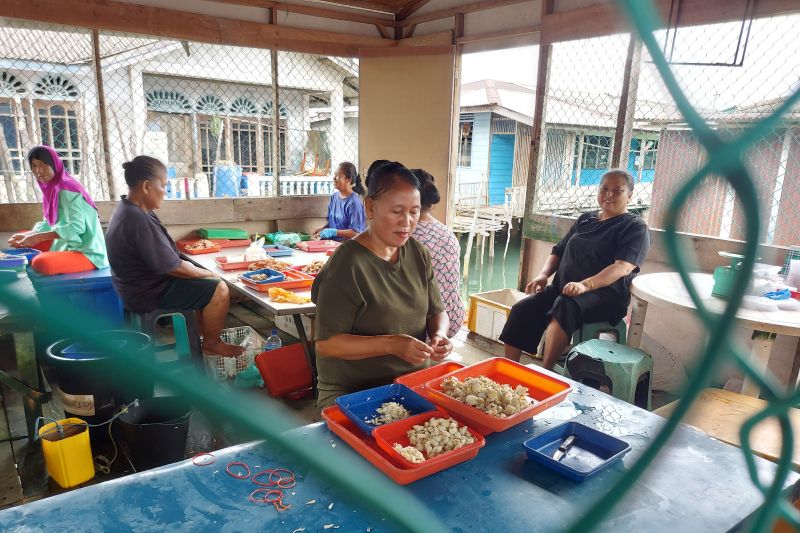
666, 290
231, 277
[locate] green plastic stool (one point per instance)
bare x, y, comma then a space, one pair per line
623, 372
595, 329
184, 326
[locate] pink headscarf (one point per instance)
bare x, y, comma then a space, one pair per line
62, 181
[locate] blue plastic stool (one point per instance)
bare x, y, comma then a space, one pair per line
184, 325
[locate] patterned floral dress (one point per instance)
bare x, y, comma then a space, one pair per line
445, 253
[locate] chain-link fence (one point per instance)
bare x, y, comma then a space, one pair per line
600, 115
207, 111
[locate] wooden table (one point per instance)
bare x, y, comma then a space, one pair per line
262, 299
21, 326
696, 484
721, 413
666, 290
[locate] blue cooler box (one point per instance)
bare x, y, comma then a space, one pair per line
91, 292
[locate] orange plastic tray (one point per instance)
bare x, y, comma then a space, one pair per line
390, 434
318, 246
545, 389
299, 269
212, 250
369, 449
285, 370
417, 379
294, 280
223, 263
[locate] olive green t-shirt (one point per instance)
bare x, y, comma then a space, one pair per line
359, 293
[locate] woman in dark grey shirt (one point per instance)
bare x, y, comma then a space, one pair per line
377, 299
147, 269
594, 265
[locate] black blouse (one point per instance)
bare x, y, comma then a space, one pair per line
591, 245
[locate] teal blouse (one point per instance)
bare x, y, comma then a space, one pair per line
78, 229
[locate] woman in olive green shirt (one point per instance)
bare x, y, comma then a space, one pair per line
377, 299
70, 220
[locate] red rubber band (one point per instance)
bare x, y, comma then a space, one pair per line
270, 483
238, 476
257, 500
204, 463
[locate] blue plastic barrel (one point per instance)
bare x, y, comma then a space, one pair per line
226, 180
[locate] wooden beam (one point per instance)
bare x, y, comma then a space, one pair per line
365, 4
406, 51
472, 7
441, 38
101, 104
408, 31
384, 31
531, 32
133, 18
410, 8
311, 11
537, 137
605, 19
627, 103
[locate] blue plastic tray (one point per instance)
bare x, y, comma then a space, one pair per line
273, 276
27, 253
277, 250
592, 451
361, 406
13, 261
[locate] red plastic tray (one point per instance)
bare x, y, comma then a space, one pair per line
388, 435
318, 246
182, 246
223, 263
416, 380
547, 390
232, 243
369, 450
285, 370
294, 280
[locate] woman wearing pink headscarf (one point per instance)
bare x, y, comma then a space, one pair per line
70, 220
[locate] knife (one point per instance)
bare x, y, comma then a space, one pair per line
564, 448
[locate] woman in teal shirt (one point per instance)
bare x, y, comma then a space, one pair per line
70, 220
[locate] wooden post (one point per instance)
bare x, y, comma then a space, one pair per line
450, 210
542, 83
276, 115
101, 103
627, 104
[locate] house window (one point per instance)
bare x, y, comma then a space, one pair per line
267, 136
243, 137
58, 125
465, 141
213, 147
596, 151
8, 121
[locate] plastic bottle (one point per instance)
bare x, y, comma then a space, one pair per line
273, 341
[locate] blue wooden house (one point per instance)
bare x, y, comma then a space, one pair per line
495, 132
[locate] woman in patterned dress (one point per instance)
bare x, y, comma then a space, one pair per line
444, 249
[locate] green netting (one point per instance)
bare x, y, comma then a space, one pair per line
724, 159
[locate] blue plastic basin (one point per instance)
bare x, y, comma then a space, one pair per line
277, 250
592, 451
362, 406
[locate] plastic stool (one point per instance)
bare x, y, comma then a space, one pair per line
595, 329
587, 333
623, 372
184, 325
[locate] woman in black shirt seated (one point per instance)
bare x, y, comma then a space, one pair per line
147, 269
593, 264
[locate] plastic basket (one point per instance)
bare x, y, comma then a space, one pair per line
222, 368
